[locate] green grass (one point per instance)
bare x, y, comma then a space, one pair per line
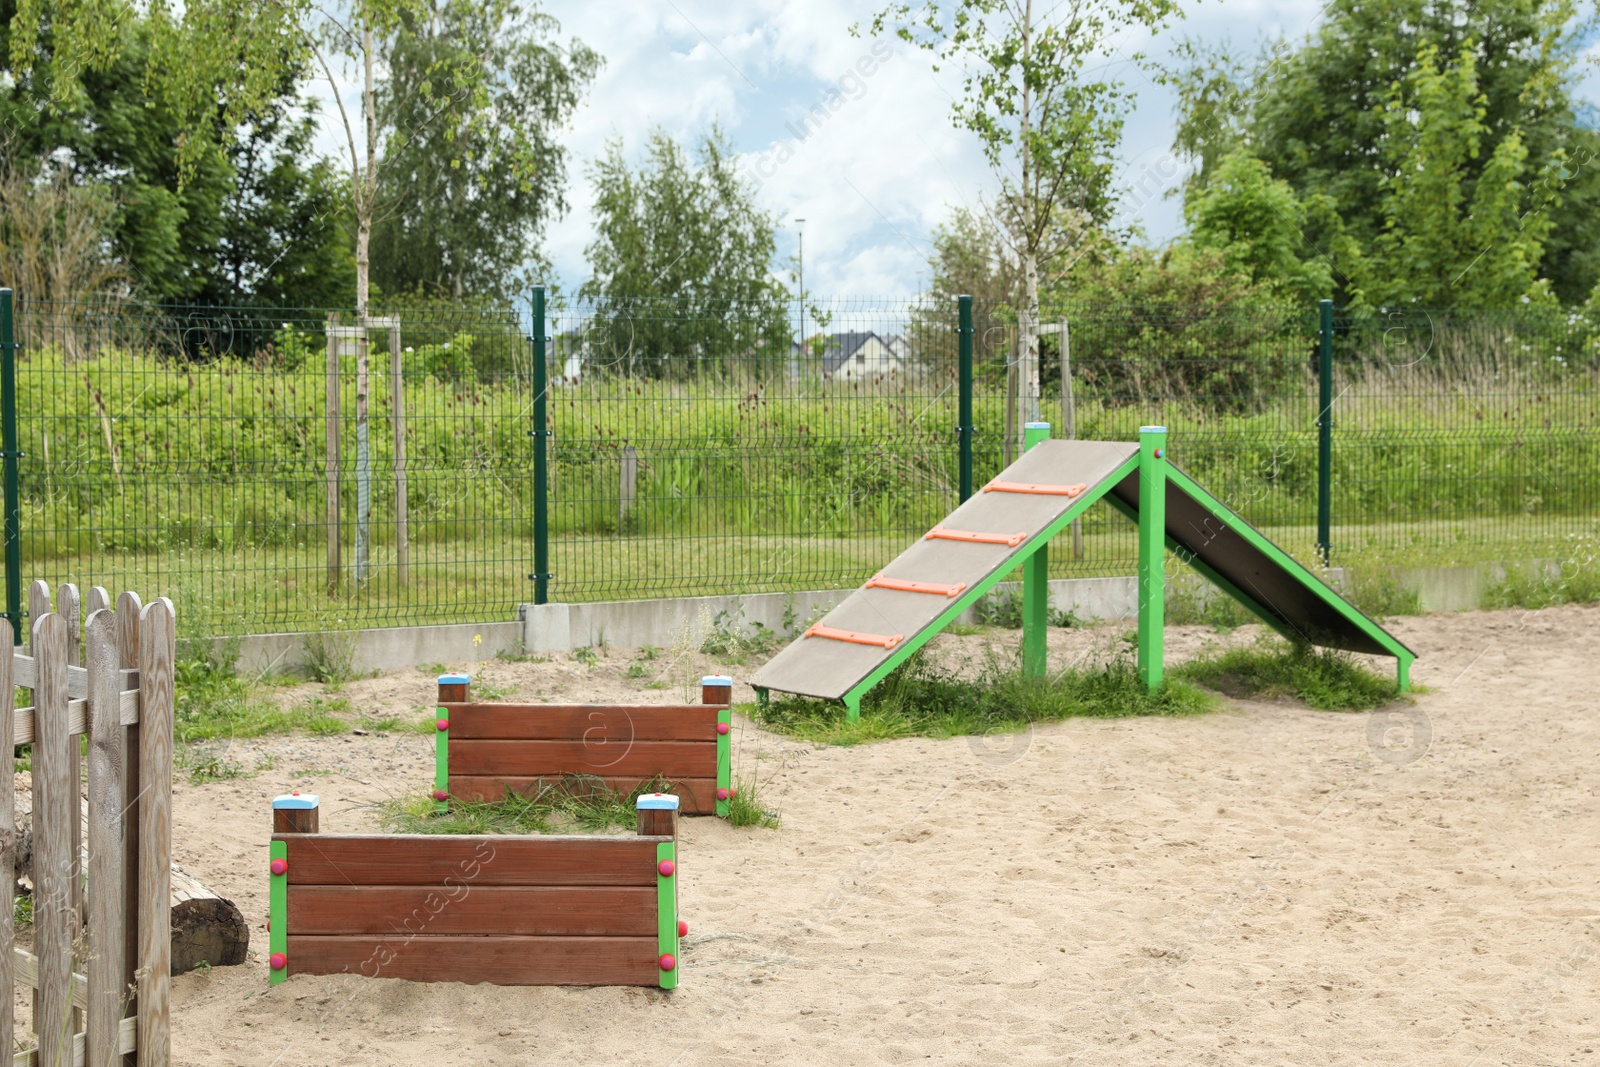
578, 804
923, 700
1325, 679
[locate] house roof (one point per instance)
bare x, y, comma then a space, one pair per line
840, 348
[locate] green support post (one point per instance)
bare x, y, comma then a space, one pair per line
541, 442
1035, 583
453, 689
1152, 551
658, 814
1325, 431
724, 760
964, 386
8, 415
278, 916
1403, 673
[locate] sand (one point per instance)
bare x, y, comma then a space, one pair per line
1263, 885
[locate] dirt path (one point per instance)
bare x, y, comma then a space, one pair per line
1265, 885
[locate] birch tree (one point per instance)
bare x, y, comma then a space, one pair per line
1047, 130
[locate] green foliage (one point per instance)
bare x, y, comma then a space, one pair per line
672, 236
466, 201
733, 637
1325, 679
22, 910
921, 699
1574, 579
1257, 225
744, 807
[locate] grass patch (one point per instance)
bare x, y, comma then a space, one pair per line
744, 807
923, 700
1575, 580
1325, 679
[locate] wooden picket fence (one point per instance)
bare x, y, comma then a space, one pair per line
101, 966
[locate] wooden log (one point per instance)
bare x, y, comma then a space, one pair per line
590, 723
500, 960
699, 795
614, 759
206, 928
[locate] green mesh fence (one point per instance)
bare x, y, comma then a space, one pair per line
702, 450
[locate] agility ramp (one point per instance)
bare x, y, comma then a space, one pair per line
1011, 521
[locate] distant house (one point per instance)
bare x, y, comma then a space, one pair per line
858, 356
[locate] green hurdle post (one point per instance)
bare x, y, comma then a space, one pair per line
291, 814
658, 817
1035, 583
453, 689
1152, 551
718, 689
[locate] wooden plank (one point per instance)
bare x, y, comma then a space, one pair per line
698, 795
553, 911
126, 1036
591, 723
157, 649
671, 759
425, 859
106, 962
129, 609
38, 608
8, 829
68, 606
127, 705
55, 920
499, 960
77, 677
26, 966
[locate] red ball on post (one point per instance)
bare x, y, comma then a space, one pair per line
667, 962
683, 928
723, 794
280, 867
666, 867
441, 725
722, 727
279, 961
440, 794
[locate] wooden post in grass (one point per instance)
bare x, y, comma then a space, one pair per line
658, 817
453, 689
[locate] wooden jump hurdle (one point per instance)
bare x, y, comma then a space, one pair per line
485, 749
536, 910
101, 966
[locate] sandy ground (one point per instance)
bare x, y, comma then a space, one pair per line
1265, 885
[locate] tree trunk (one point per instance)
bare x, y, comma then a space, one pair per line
364, 206
1028, 342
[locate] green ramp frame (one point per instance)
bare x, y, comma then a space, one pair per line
1156, 480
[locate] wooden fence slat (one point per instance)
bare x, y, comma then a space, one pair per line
106, 830
385, 859
26, 965
68, 606
54, 840
550, 911
157, 650
8, 829
25, 674
125, 703
38, 608
125, 1040
129, 611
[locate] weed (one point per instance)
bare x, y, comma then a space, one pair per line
734, 637
505, 655
566, 805
1326, 679
320, 716
923, 700
330, 656
1002, 607
1575, 580
585, 656
636, 670
744, 807
22, 910
204, 767
962, 629
487, 690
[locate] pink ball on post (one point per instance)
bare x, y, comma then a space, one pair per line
667, 962
723, 794
666, 867
683, 928
441, 725
440, 794
279, 961
280, 867
722, 727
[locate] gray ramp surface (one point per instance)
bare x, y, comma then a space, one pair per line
823, 667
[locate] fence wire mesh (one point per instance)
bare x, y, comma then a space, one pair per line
216, 455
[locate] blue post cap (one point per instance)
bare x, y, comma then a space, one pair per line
455, 679
1152, 429
296, 802
1036, 426
716, 679
656, 802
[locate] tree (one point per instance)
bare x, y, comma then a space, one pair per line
679, 238
1317, 113
1047, 132
451, 228
1256, 223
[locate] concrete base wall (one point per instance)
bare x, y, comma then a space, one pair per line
687, 620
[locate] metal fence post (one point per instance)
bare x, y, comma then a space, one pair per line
1325, 431
8, 414
541, 438
964, 374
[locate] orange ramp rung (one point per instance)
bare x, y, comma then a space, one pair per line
1030, 487
939, 533
878, 581
854, 638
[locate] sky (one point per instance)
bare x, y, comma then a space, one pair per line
887, 166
